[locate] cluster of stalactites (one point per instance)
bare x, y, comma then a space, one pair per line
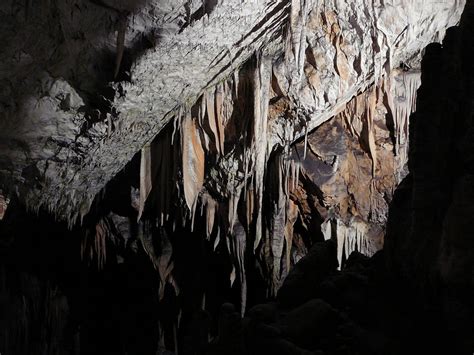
255, 181
198, 137
401, 95
349, 237
394, 94
398, 89
240, 170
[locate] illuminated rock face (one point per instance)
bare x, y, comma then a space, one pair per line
270, 141
221, 99
97, 81
355, 162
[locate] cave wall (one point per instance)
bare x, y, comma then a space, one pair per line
429, 237
351, 165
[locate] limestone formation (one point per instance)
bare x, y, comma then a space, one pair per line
67, 127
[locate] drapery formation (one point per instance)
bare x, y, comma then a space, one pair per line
67, 128
231, 87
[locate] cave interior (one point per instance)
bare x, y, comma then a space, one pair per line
236, 177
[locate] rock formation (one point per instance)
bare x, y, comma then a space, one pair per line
170, 157
429, 238
65, 119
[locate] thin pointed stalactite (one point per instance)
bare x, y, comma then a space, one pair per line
121, 32
261, 100
145, 177
221, 116
371, 107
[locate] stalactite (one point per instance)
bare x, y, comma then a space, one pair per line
401, 96
292, 216
278, 227
162, 261
193, 161
305, 141
296, 28
239, 246
246, 168
370, 116
349, 237
261, 99
210, 108
211, 207
94, 242
221, 116
121, 31
145, 178
233, 204
102, 231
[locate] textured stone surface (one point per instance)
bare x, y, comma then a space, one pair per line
66, 131
226, 167
345, 181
